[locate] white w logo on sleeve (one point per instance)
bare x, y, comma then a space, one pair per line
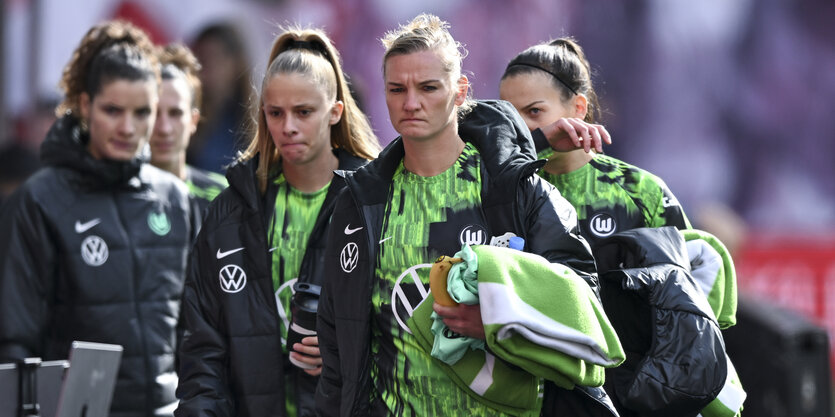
232, 278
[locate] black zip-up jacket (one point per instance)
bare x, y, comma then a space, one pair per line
231, 360
514, 199
96, 250
675, 354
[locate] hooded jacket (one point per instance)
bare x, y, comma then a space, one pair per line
676, 363
514, 200
231, 360
95, 250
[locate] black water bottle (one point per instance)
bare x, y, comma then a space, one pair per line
303, 308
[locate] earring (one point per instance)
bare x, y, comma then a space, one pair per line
83, 125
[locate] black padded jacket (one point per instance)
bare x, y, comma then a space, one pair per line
675, 354
231, 360
96, 250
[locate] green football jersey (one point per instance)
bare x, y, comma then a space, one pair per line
293, 221
425, 217
204, 186
612, 196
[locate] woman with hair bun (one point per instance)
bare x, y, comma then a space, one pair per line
550, 85
95, 244
462, 172
245, 353
177, 118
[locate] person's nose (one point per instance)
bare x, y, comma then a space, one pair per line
290, 126
412, 103
127, 126
163, 125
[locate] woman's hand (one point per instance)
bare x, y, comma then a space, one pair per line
570, 133
462, 319
308, 352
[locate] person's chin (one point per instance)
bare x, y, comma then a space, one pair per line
411, 131
293, 158
121, 155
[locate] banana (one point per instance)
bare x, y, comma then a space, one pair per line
438, 278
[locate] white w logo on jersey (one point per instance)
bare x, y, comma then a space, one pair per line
472, 235
602, 225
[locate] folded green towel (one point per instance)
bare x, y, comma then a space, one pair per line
491, 381
544, 318
541, 320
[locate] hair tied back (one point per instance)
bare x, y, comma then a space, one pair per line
308, 45
539, 67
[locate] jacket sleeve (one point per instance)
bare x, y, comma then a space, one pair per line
27, 269
203, 388
329, 389
541, 145
552, 230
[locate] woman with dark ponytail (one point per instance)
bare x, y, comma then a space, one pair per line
550, 85
246, 352
95, 244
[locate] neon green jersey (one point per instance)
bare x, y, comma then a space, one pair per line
204, 186
294, 218
612, 196
425, 217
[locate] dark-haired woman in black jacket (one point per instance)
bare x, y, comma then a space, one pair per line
94, 245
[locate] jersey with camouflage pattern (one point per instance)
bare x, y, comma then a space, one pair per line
612, 196
293, 220
425, 217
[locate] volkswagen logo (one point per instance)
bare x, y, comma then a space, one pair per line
349, 257
399, 298
602, 225
232, 278
285, 291
94, 251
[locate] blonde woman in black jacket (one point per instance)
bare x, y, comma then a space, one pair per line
263, 239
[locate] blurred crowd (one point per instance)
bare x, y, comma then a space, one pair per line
727, 101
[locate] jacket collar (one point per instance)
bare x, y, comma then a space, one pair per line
242, 178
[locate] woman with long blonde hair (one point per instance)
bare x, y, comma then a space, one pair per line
261, 248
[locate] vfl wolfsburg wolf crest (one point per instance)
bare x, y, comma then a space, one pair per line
159, 224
